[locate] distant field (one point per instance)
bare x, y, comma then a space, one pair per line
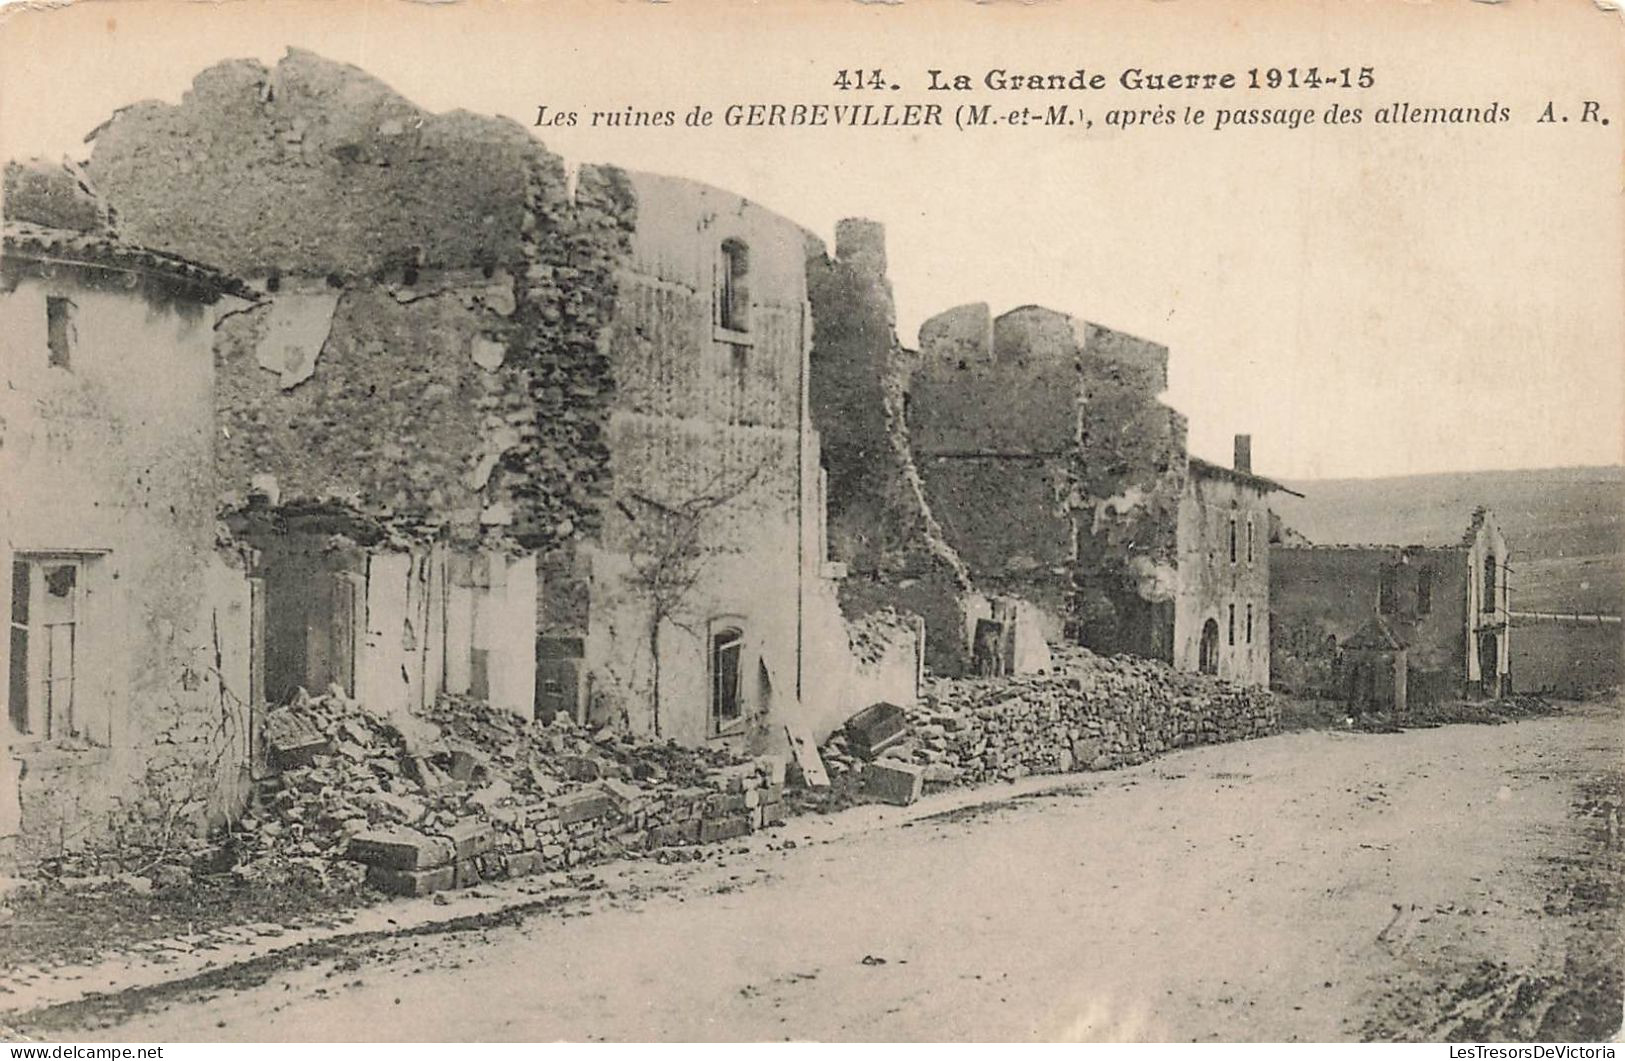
1566, 526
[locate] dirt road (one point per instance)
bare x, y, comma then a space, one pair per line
1454, 882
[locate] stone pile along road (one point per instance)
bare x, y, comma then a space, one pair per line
1457, 882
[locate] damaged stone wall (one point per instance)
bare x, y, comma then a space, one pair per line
1130, 476
880, 523
1056, 472
1089, 713
429, 346
314, 167
371, 406
994, 426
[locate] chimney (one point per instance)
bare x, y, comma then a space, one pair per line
1244, 454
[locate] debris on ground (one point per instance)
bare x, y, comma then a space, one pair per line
467, 792
1448, 712
1088, 712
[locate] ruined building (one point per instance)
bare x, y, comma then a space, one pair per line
894, 555
416, 401
711, 600
128, 671
1393, 626
1064, 483
500, 429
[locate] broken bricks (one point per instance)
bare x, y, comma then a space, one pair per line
875, 728
294, 741
411, 883
401, 849
894, 782
485, 795
411, 863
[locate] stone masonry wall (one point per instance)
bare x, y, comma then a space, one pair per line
429, 345
1089, 713
1130, 479
881, 525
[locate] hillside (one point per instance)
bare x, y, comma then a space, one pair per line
1566, 526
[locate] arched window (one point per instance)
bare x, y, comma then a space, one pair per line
727, 653
733, 287
1489, 602
1207, 659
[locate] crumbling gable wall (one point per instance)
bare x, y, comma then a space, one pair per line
1054, 468
429, 345
880, 524
314, 167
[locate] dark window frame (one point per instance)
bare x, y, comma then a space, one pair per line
1387, 589
46, 698
61, 336
725, 655
732, 297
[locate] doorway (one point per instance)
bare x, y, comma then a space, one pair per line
1207, 657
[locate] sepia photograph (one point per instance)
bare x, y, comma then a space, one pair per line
907, 522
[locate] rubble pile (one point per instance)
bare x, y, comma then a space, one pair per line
1089, 713
467, 793
1484, 712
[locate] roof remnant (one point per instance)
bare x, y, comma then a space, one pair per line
39, 243
1199, 466
54, 215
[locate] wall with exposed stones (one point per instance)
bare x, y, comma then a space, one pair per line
428, 347
1089, 713
314, 167
1131, 471
1054, 468
880, 524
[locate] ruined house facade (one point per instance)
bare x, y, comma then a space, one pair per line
711, 609
497, 428
128, 672
385, 449
1443, 610
1063, 481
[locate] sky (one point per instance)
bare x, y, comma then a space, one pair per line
1364, 300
